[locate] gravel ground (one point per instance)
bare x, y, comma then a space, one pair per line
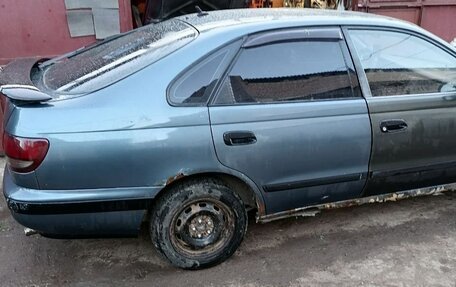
406, 243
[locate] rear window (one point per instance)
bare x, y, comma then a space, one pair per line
105, 63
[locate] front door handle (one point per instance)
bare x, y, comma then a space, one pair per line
391, 126
239, 138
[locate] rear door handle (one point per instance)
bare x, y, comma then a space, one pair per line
391, 126
239, 138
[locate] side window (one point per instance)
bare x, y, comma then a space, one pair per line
287, 71
401, 64
196, 84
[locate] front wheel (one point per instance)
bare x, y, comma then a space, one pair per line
198, 224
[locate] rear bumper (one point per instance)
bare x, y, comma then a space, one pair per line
82, 212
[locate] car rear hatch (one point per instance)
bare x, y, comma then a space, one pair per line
34, 91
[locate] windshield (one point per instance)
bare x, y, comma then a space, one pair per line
100, 65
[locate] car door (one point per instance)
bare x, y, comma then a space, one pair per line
289, 115
411, 94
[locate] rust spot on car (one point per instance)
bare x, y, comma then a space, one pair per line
174, 178
315, 209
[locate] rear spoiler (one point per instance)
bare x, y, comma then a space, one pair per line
24, 93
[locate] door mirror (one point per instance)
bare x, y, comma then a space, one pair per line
448, 87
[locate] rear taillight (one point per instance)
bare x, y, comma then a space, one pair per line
24, 154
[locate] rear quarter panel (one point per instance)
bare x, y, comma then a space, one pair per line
124, 135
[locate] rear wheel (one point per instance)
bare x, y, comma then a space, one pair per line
198, 224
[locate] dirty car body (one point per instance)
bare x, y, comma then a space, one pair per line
290, 109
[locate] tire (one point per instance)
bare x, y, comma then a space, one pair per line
198, 223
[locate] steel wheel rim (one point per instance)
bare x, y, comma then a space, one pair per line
202, 227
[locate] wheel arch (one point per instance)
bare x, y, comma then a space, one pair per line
243, 186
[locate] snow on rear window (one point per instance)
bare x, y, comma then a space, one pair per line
99, 66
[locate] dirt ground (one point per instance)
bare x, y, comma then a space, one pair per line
406, 243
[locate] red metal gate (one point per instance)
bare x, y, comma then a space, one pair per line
39, 28
436, 16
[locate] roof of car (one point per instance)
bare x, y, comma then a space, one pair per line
225, 18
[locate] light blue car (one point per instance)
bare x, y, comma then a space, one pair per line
192, 122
